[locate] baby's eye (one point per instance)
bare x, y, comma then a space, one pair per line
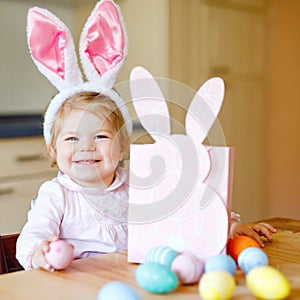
71, 138
101, 137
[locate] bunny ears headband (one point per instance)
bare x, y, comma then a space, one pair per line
103, 49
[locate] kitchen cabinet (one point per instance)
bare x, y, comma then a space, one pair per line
23, 168
228, 38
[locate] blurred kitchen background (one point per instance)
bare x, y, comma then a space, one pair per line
253, 45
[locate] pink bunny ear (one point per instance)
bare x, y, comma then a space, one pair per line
103, 44
52, 48
149, 103
204, 109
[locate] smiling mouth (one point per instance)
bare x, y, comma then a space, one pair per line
87, 161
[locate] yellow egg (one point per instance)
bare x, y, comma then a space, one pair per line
266, 282
216, 285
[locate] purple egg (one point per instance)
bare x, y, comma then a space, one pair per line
187, 267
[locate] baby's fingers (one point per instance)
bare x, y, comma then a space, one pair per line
53, 238
265, 229
39, 260
269, 227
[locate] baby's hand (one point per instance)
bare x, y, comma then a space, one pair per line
38, 258
253, 230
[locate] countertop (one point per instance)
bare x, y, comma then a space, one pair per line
84, 277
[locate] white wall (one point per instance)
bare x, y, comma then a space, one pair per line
23, 88
148, 33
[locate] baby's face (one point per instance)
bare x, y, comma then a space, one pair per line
88, 149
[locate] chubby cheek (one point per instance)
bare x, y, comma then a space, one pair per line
114, 160
64, 156
116, 153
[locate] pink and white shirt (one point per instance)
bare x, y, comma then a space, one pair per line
94, 220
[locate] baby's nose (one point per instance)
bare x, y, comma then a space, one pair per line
87, 145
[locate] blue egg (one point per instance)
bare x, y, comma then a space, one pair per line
251, 258
220, 262
163, 255
116, 290
156, 278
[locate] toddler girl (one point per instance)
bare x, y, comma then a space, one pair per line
86, 204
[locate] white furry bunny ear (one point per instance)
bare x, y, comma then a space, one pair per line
204, 108
103, 50
103, 44
149, 103
52, 48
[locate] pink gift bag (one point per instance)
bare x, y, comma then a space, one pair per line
179, 189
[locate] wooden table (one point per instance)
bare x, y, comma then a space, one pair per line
84, 277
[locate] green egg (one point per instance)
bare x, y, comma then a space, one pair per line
156, 278
162, 255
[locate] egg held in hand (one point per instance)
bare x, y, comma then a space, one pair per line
60, 255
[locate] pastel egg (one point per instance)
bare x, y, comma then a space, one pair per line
156, 278
220, 262
187, 267
60, 255
163, 255
266, 282
251, 258
216, 285
116, 290
239, 243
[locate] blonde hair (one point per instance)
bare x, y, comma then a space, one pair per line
97, 104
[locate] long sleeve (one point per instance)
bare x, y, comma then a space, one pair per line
44, 220
65, 209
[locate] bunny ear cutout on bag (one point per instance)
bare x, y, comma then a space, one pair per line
103, 44
52, 48
149, 103
204, 108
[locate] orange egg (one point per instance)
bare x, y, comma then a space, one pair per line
239, 243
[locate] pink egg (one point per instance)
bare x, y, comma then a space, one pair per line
187, 267
60, 255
